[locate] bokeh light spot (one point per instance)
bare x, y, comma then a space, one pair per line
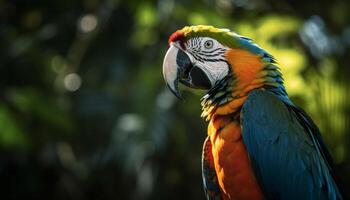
130, 122
58, 64
72, 82
88, 23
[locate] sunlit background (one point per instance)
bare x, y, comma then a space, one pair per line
84, 111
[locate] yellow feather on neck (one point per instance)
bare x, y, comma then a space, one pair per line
246, 67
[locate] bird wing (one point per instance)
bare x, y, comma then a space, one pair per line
210, 181
288, 156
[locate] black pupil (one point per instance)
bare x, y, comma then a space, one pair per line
208, 43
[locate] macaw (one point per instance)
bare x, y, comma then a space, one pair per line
259, 144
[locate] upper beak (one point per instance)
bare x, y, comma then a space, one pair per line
171, 70
177, 66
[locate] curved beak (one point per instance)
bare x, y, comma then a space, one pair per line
177, 66
170, 71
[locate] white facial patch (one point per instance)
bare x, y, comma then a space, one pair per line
209, 55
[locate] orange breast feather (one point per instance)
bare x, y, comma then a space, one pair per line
232, 165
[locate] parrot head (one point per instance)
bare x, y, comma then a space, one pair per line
195, 61
224, 63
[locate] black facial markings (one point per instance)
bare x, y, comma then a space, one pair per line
212, 51
216, 54
195, 56
195, 49
208, 59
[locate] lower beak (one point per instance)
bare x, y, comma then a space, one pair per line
177, 66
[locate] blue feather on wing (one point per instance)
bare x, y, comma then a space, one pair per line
288, 156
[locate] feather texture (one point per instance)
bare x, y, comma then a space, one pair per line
286, 152
210, 181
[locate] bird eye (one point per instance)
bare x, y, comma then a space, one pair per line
208, 44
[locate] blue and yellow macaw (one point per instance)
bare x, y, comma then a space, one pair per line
259, 144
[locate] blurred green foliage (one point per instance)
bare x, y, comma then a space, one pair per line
85, 114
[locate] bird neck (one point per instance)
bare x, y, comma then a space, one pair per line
248, 72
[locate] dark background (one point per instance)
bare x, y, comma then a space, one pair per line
84, 111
